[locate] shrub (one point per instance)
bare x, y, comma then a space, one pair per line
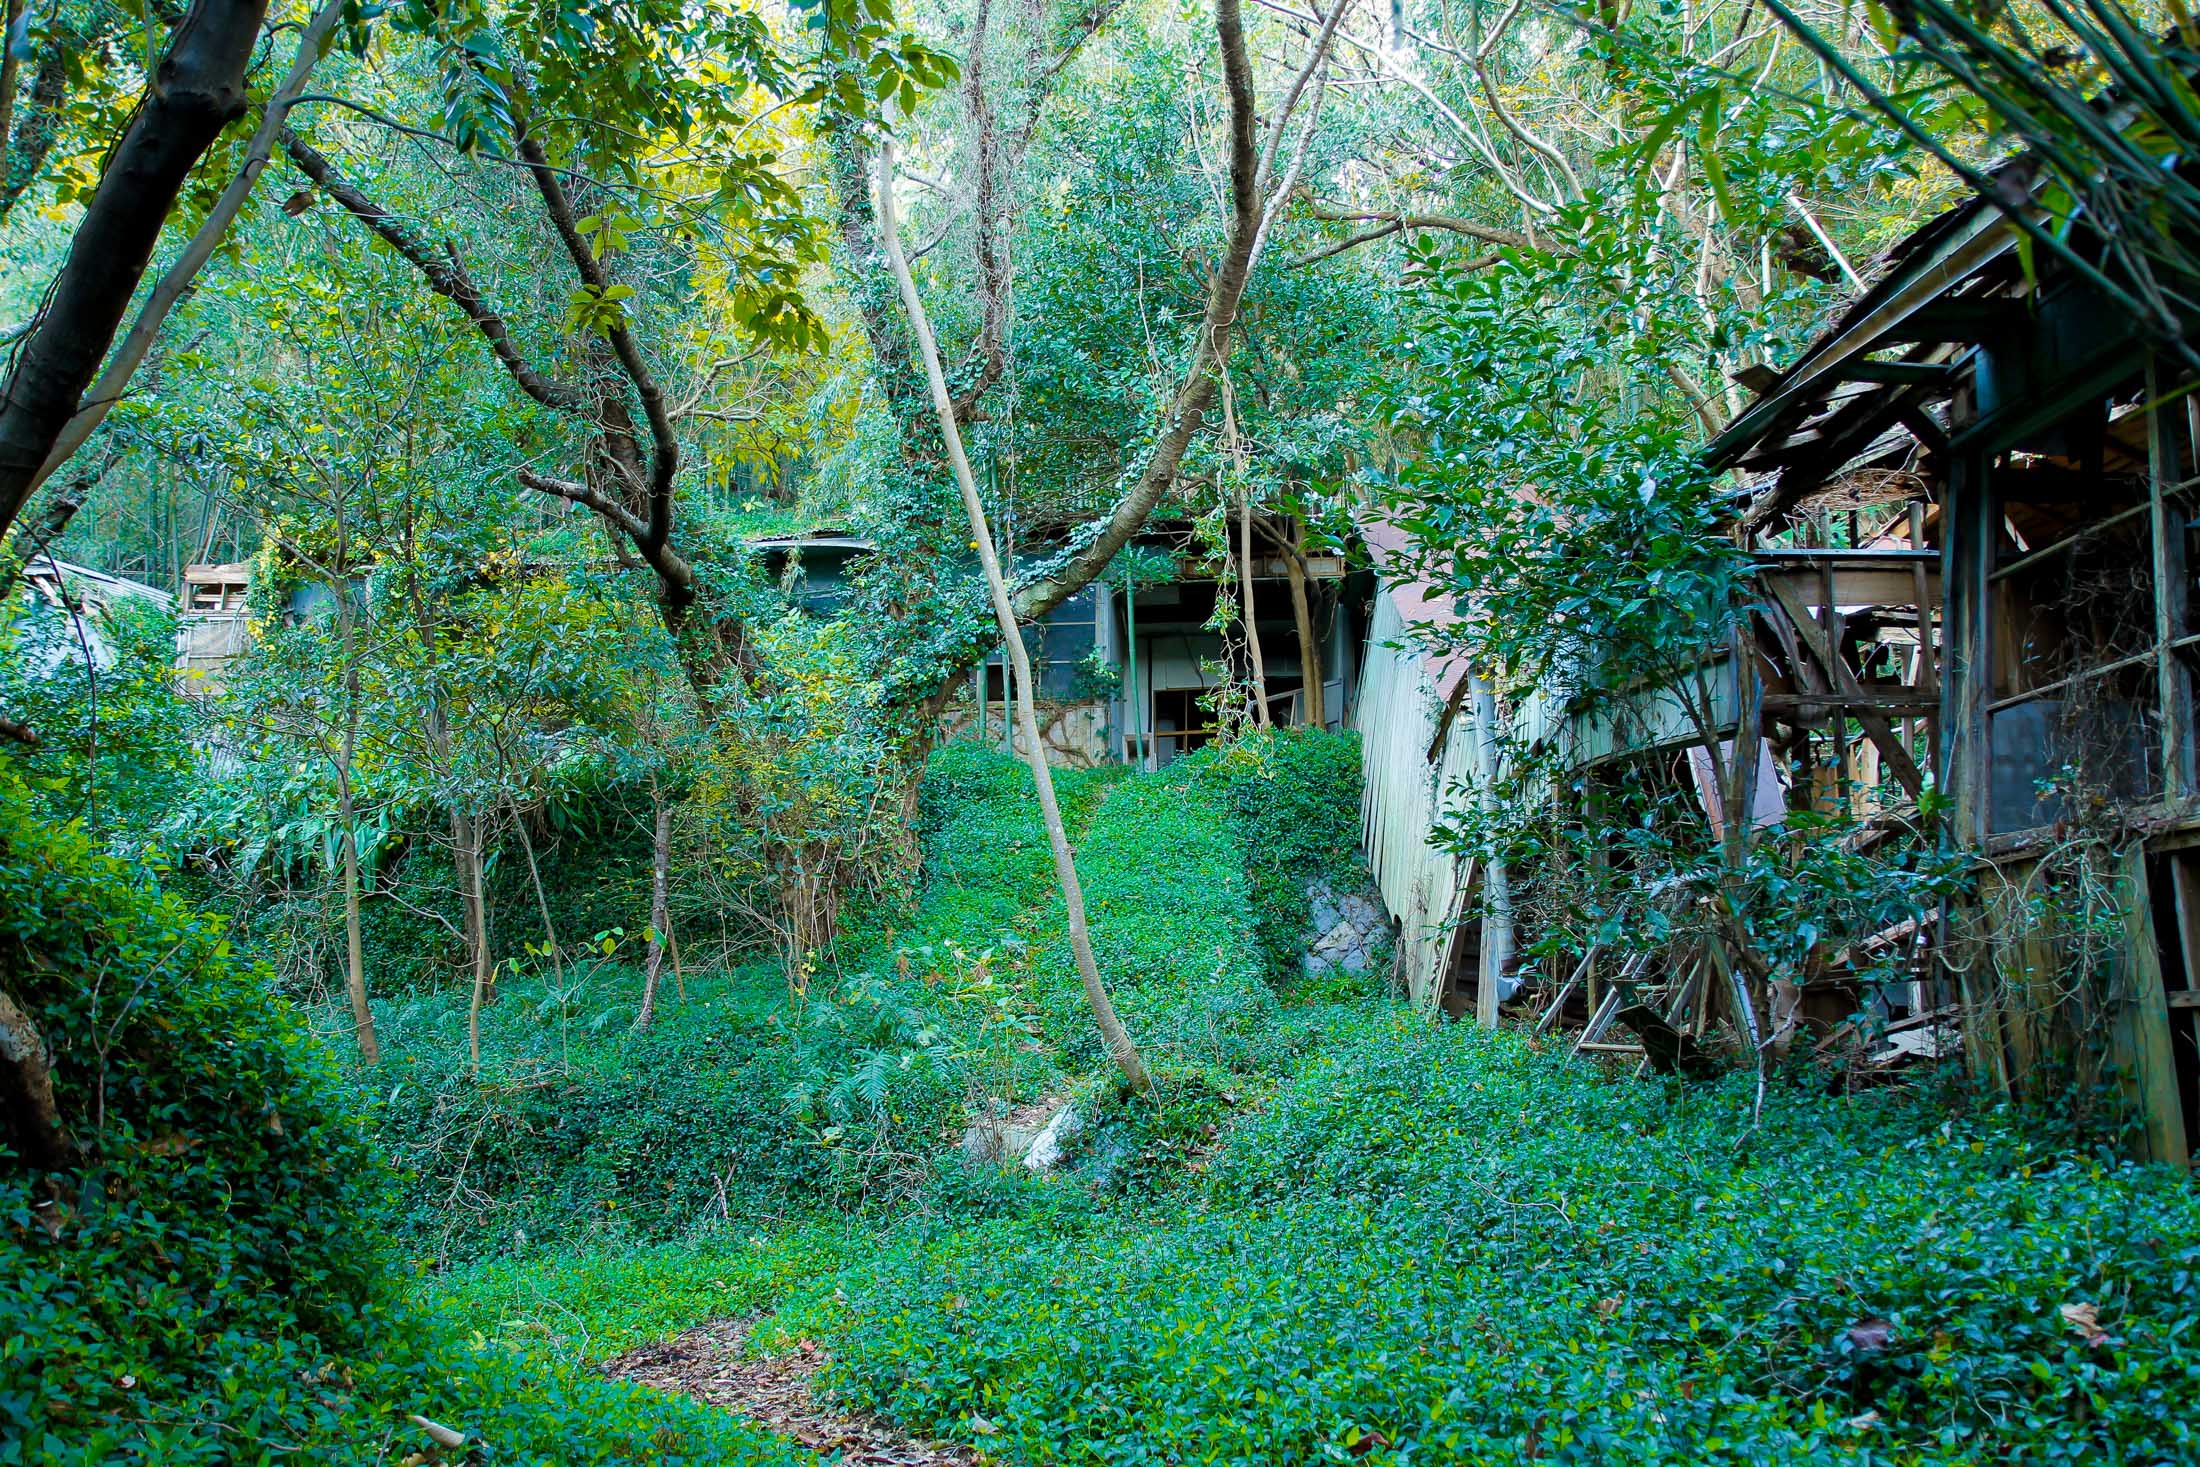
196, 1275
1293, 797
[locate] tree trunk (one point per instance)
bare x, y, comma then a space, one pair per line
542, 899
1118, 1039
1245, 595
355, 964
195, 92
1311, 698
466, 836
31, 135
26, 1088
355, 967
8, 63
1498, 936
660, 863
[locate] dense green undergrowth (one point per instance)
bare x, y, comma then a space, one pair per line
1441, 1246
1350, 1235
745, 1101
193, 1270
1436, 1245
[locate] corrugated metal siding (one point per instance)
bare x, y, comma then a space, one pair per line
1404, 795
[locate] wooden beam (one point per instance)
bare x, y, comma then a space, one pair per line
1923, 428
2139, 1040
1898, 372
1976, 240
1836, 668
2173, 686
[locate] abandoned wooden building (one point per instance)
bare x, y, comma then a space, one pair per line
1128, 670
2012, 624
63, 614
212, 626
1969, 511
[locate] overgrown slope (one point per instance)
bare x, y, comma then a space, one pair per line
1442, 1246
746, 1099
192, 1267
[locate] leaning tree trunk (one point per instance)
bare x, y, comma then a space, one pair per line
197, 90
1118, 1039
542, 898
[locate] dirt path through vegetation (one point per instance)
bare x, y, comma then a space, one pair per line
707, 1363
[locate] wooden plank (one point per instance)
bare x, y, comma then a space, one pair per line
1922, 427
1821, 703
1970, 522
2170, 587
1599, 1021
2185, 888
1922, 593
1836, 667
1897, 372
1860, 585
2139, 1040
1566, 989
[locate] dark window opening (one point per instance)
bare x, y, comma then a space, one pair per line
1181, 722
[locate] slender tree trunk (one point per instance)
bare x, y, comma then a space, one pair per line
1118, 1039
1498, 936
347, 814
8, 64
1245, 594
660, 863
542, 900
1311, 699
466, 836
355, 965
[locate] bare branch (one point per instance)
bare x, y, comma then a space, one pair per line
445, 275
1488, 234
664, 447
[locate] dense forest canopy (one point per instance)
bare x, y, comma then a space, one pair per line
578, 758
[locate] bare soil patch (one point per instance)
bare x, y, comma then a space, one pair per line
707, 1363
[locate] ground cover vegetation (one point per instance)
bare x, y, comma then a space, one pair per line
566, 912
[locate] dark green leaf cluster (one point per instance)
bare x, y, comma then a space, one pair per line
202, 1278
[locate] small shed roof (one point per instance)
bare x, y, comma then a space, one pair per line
41, 574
